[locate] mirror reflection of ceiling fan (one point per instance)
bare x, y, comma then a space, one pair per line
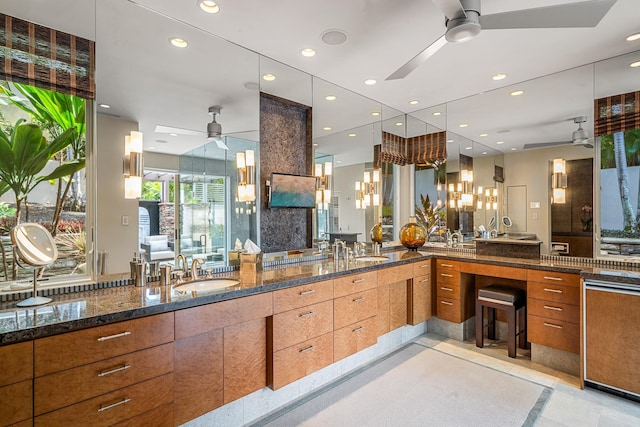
464, 21
213, 133
579, 137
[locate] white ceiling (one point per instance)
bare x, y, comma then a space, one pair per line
145, 79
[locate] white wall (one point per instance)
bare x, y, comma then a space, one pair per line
120, 241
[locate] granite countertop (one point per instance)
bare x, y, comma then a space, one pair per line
86, 309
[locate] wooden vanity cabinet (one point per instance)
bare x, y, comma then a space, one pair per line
553, 309
454, 292
392, 304
355, 308
107, 374
420, 293
301, 332
220, 354
16, 387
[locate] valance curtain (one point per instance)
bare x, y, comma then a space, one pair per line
617, 113
46, 58
420, 150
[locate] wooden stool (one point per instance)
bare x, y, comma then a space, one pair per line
511, 300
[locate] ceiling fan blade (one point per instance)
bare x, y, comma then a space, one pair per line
545, 144
570, 15
451, 8
417, 60
179, 131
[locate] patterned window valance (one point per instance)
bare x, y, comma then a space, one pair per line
617, 113
46, 58
429, 149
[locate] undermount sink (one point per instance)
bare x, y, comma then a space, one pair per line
371, 258
206, 285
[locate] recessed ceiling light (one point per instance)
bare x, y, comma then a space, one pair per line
178, 42
315, 145
326, 128
633, 37
251, 86
516, 92
635, 64
173, 134
500, 142
104, 105
484, 152
468, 148
352, 134
161, 141
484, 134
330, 97
334, 37
399, 123
514, 149
269, 77
499, 76
209, 6
463, 125
436, 113
414, 102
375, 113
308, 52
449, 140
339, 161
370, 82
151, 148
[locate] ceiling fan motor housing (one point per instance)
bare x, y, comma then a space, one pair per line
466, 26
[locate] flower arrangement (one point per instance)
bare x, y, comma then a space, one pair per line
429, 215
586, 216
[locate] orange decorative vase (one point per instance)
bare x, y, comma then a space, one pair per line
412, 235
376, 233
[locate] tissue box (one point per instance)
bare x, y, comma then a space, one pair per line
250, 263
234, 257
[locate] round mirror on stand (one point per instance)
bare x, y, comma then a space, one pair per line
34, 246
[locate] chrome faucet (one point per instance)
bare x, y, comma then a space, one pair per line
195, 263
181, 261
456, 239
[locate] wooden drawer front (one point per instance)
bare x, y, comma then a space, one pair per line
448, 290
447, 265
354, 283
448, 278
554, 310
420, 298
383, 312
299, 325
554, 278
353, 308
113, 407
302, 359
449, 309
206, 318
17, 362
422, 268
161, 416
74, 385
16, 402
554, 292
395, 274
553, 333
353, 338
73, 349
245, 359
292, 298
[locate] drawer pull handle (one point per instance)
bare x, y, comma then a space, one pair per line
446, 303
110, 337
310, 291
359, 299
424, 266
549, 307
424, 280
358, 281
446, 265
446, 275
358, 329
309, 314
446, 289
113, 371
556, 291
559, 279
551, 325
113, 405
311, 347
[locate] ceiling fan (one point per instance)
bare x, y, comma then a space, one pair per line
213, 133
464, 21
579, 137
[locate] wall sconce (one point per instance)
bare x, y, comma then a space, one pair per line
461, 194
559, 181
132, 165
246, 165
323, 185
490, 199
368, 191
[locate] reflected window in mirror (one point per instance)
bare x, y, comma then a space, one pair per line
430, 196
